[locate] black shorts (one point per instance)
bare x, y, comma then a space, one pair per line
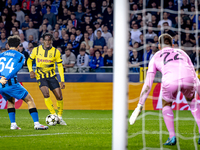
52, 83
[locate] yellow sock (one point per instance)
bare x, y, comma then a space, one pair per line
49, 105
60, 108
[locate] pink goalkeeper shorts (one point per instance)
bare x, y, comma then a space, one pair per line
171, 88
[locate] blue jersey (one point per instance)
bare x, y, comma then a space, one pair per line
11, 62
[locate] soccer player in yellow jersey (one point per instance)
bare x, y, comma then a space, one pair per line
45, 57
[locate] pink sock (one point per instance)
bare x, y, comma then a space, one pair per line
169, 120
195, 110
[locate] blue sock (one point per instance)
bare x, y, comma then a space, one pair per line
11, 113
34, 114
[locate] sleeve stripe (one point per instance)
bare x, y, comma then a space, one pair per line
37, 50
21, 59
55, 53
59, 62
31, 58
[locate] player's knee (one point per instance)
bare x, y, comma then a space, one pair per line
190, 98
28, 98
12, 100
46, 95
165, 103
59, 98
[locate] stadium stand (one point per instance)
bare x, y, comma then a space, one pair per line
70, 21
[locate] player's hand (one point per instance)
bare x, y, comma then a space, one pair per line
32, 74
3, 80
135, 114
62, 85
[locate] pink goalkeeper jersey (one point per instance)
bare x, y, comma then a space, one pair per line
173, 63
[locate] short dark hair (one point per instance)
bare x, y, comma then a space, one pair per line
82, 50
165, 39
14, 14
68, 49
73, 35
14, 41
69, 43
86, 32
3, 14
165, 23
48, 6
97, 51
73, 28
48, 34
17, 4
14, 27
73, 14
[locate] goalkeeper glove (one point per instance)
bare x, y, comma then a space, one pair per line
135, 114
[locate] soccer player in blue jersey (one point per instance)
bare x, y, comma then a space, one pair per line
11, 62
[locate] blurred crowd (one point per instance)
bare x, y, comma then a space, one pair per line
147, 26
83, 29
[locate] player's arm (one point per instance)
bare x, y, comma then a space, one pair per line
30, 63
145, 90
16, 68
60, 68
148, 81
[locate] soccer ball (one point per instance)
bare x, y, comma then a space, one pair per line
51, 120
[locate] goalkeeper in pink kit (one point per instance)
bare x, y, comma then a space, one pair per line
178, 74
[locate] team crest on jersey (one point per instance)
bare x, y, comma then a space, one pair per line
50, 55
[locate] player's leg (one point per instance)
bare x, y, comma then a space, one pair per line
169, 92
168, 117
19, 92
11, 113
195, 110
44, 87
33, 112
189, 93
55, 88
58, 94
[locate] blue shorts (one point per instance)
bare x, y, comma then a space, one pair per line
16, 90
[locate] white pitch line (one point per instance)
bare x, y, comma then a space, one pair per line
139, 118
153, 148
6, 136
163, 132
64, 118
130, 136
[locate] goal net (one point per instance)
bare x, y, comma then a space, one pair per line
147, 20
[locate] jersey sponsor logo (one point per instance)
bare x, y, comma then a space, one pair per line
9, 54
179, 104
44, 60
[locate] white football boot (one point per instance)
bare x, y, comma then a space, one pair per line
61, 121
14, 127
40, 127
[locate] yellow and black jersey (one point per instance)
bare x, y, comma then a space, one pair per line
45, 62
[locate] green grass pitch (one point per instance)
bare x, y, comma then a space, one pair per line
92, 130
